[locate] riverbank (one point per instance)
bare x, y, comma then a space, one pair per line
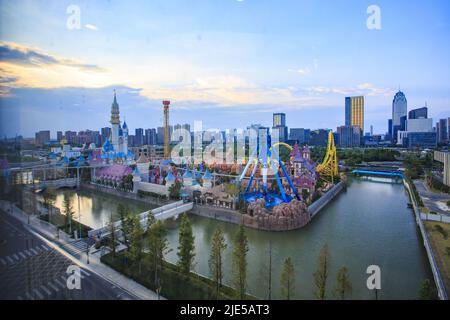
442, 291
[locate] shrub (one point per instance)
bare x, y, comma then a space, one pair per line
441, 230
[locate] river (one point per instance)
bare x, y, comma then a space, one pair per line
369, 224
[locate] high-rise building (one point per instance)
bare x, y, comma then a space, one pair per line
59, 135
138, 137
106, 133
279, 126
399, 109
160, 136
419, 125
354, 112
419, 113
424, 140
71, 137
42, 137
349, 136
150, 136
442, 131
130, 140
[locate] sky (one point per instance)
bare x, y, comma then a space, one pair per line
228, 63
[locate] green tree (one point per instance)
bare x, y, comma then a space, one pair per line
136, 248
175, 190
112, 237
321, 274
186, 248
68, 211
305, 195
218, 246
343, 284
240, 262
232, 190
49, 197
427, 291
288, 279
126, 223
158, 246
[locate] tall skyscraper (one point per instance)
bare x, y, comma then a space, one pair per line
279, 126
399, 109
354, 112
59, 136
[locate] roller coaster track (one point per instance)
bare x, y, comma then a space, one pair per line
329, 166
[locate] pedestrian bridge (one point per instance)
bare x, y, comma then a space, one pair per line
171, 210
395, 174
58, 183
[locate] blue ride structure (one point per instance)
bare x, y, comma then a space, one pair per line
265, 156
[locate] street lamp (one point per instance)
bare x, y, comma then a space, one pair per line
79, 216
87, 252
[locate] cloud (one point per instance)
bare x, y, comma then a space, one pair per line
302, 71
91, 27
367, 89
14, 53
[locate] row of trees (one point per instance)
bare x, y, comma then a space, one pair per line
154, 238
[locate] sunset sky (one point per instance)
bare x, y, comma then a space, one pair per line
228, 63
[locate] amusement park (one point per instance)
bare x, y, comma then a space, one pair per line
274, 186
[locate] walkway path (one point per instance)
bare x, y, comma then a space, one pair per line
434, 201
72, 250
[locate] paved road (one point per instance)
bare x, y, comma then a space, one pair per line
32, 269
431, 199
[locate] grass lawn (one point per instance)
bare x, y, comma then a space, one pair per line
441, 248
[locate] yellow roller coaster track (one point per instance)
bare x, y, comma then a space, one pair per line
329, 166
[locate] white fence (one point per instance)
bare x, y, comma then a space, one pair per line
435, 217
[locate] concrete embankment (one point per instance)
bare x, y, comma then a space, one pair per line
319, 204
426, 242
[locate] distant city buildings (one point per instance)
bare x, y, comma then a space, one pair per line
411, 129
300, 135
319, 137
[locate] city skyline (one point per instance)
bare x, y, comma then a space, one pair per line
302, 59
